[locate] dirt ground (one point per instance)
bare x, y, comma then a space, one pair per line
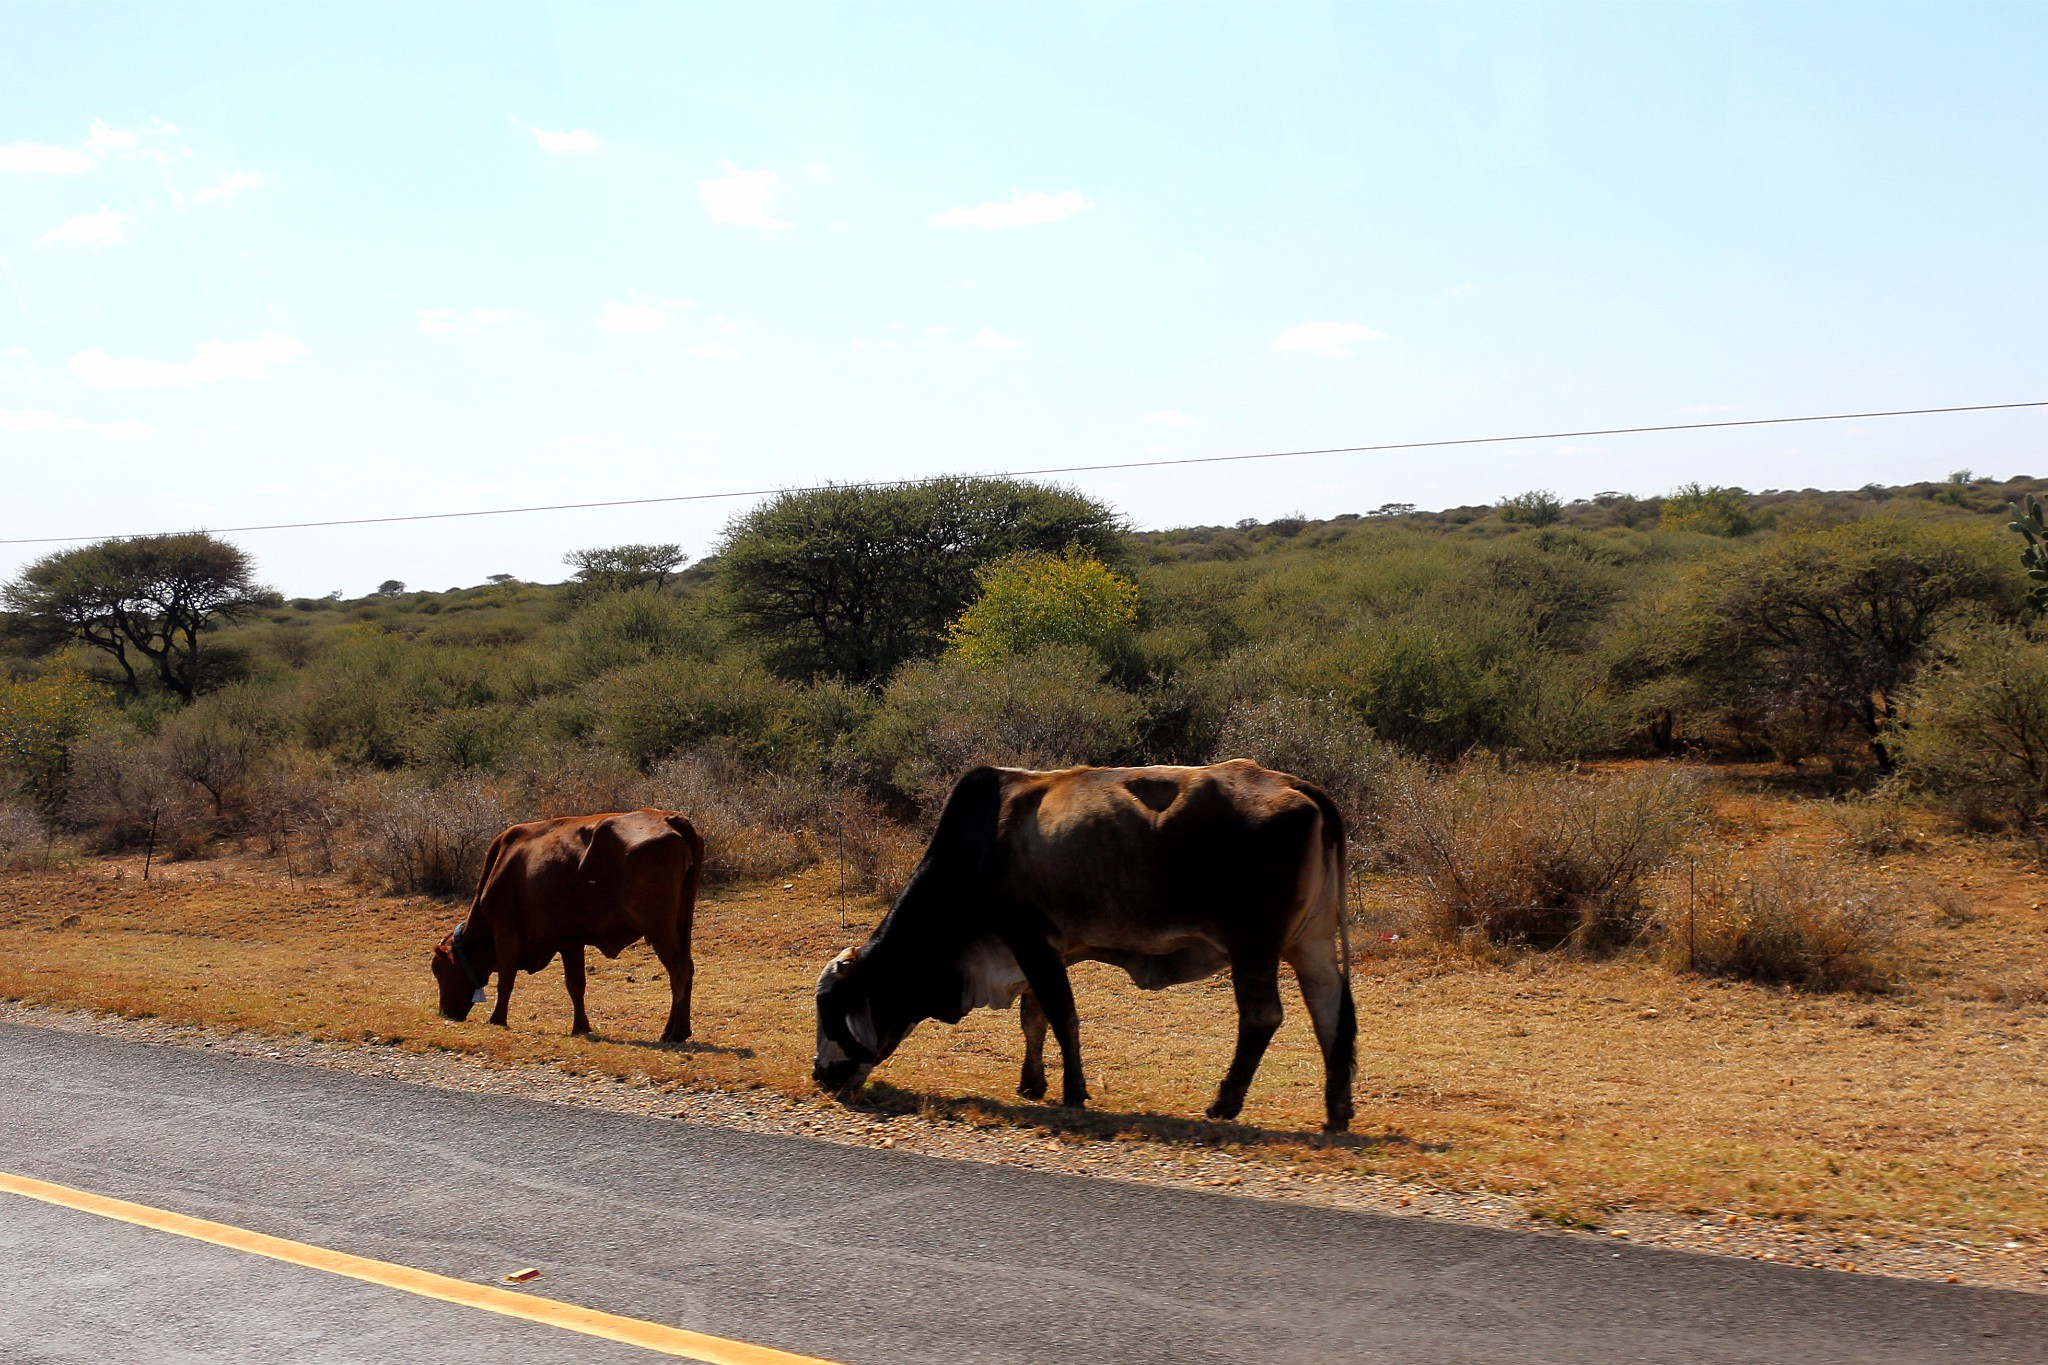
1902, 1133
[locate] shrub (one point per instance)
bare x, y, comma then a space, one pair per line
219, 743
1708, 510
23, 837
1539, 858
647, 712
1875, 823
1787, 918
630, 627
1537, 507
1032, 599
124, 791
1426, 690
757, 823
1045, 709
560, 778
422, 840
1318, 738
296, 806
1975, 732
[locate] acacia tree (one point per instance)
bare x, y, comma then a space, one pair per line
145, 602
1833, 624
852, 581
621, 568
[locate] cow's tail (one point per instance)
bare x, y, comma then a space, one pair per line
687, 901
1336, 864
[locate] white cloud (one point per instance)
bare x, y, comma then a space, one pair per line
492, 317
1170, 418
216, 360
28, 158
712, 350
1026, 208
228, 187
992, 339
437, 322
578, 143
1332, 339
105, 228
741, 197
104, 141
633, 317
34, 421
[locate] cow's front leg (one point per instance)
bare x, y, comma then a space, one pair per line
572, 977
1031, 1018
508, 968
1046, 972
1257, 985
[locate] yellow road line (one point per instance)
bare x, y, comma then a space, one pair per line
569, 1317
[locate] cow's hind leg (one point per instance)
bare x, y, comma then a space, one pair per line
1031, 1018
674, 952
1257, 984
572, 976
1327, 993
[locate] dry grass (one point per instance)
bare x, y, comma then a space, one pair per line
1538, 857
1577, 1087
1809, 918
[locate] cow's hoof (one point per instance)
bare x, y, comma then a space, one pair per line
1226, 1112
1031, 1090
674, 1037
1337, 1125
1077, 1101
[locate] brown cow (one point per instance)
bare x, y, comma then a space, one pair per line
555, 886
1168, 873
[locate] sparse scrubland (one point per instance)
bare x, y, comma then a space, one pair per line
1696, 841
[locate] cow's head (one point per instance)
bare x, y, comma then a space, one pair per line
459, 987
857, 1026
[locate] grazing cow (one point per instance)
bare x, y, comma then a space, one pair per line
555, 886
1168, 873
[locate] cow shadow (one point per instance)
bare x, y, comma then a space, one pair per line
882, 1098
657, 1045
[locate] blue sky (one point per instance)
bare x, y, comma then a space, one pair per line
285, 262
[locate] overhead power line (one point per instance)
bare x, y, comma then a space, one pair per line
1065, 469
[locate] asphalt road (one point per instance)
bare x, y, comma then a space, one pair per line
851, 1254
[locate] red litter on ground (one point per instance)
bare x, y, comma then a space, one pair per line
522, 1276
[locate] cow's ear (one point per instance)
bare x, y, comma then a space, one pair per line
860, 1026
605, 856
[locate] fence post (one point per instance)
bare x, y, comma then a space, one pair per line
149, 853
1691, 866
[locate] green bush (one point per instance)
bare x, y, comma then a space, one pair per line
1045, 709
617, 629
1974, 732
1708, 510
649, 711
1032, 599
